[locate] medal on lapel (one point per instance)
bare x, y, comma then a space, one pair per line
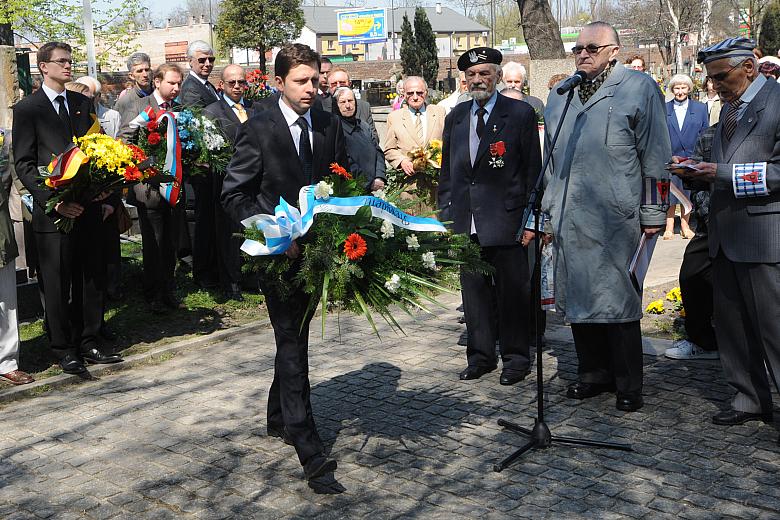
497, 151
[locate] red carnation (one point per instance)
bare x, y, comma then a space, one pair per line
154, 138
151, 125
340, 171
355, 247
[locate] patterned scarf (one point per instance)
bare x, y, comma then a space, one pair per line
589, 87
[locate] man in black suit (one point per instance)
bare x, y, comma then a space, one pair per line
229, 113
156, 216
72, 269
490, 159
197, 91
262, 171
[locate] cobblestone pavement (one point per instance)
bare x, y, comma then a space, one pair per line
186, 439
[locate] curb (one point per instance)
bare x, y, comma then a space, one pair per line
18, 392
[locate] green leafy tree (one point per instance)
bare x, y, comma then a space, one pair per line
259, 24
425, 42
36, 21
410, 60
769, 41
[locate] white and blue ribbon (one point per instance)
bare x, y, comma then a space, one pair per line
288, 223
749, 180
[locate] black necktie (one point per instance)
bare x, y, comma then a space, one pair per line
481, 121
730, 120
164, 105
63, 113
212, 89
304, 149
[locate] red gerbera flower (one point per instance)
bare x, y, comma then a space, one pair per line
355, 247
340, 171
154, 138
138, 154
132, 173
151, 125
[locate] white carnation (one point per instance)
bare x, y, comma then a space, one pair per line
412, 243
387, 229
393, 283
323, 190
429, 261
380, 194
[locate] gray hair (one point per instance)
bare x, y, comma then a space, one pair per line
604, 26
407, 79
340, 91
514, 66
137, 58
512, 93
739, 60
198, 46
681, 79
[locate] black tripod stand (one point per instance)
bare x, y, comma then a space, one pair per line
540, 436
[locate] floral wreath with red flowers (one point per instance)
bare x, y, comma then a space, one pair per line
497, 151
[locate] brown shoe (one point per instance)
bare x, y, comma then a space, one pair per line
17, 377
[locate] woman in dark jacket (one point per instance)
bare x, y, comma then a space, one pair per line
365, 156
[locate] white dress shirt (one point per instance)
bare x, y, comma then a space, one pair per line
291, 117
680, 109
474, 139
52, 95
423, 119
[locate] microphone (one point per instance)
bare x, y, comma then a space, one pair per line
571, 82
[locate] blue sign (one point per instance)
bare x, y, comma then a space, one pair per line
361, 26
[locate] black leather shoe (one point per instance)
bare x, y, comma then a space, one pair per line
72, 364
463, 340
629, 403
581, 390
475, 372
317, 466
735, 417
462, 318
96, 357
510, 377
280, 433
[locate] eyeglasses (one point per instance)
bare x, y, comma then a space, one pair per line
720, 76
590, 48
232, 82
411, 93
61, 62
210, 59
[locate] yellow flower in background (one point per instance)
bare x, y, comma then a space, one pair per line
674, 295
656, 307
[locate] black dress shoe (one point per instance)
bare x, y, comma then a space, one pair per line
581, 390
463, 340
510, 377
280, 433
735, 417
317, 466
629, 403
96, 357
475, 372
72, 364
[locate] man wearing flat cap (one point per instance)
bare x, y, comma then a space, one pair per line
490, 159
614, 144
744, 226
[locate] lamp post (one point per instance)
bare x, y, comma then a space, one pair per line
211, 27
89, 34
392, 25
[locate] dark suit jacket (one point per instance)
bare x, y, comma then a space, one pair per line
226, 117
195, 94
362, 111
696, 120
748, 229
364, 156
265, 164
495, 196
38, 134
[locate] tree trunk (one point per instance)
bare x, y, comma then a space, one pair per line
541, 32
705, 24
261, 60
6, 34
677, 43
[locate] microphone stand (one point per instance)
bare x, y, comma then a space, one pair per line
540, 437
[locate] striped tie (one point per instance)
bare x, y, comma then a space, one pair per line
418, 126
730, 120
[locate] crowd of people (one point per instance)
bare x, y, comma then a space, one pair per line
606, 186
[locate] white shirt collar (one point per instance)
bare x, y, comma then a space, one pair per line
202, 81
158, 98
291, 116
52, 94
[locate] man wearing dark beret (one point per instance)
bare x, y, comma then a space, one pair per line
744, 226
490, 159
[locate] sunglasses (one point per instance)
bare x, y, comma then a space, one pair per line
720, 76
590, 48
210, 59
415, 93
61, 62
232, 82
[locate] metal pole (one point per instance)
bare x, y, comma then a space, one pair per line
211, 27
89, 34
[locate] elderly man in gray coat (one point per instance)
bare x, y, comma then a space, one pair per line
744, 227
614, 142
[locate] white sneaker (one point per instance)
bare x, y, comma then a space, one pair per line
684, 349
